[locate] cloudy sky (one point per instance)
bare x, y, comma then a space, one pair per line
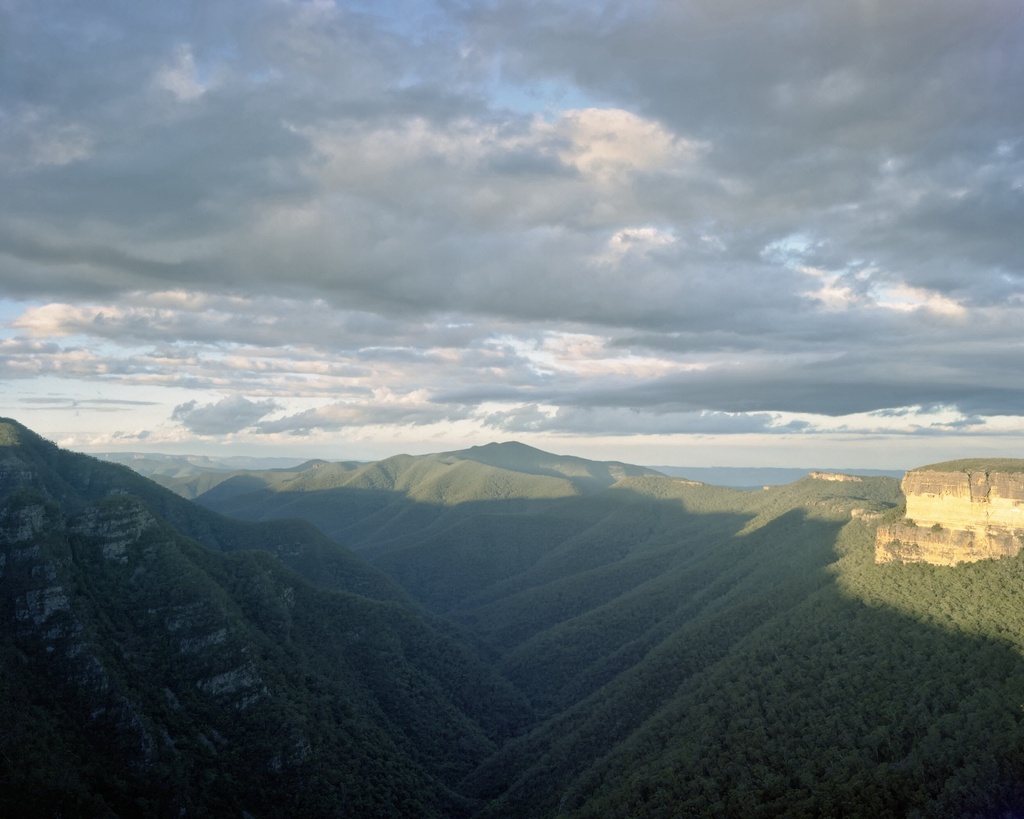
702, 232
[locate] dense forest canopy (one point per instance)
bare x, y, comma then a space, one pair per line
976, 465
492, 634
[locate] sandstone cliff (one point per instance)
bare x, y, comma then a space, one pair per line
958, 512
835, 476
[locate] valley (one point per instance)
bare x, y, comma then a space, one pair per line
491, 632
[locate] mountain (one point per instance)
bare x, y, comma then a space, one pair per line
759, 477
387, 501
699, 650
150, 666
585, 474
191, 475
583, 640
156, 463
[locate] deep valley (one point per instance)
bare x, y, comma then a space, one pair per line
493, 632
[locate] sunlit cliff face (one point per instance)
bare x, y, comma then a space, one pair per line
957, 512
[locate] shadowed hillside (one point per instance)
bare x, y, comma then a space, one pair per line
683, 649
145, 672
704, 651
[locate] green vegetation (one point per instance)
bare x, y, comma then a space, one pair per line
976, 465
142, 673
536, 637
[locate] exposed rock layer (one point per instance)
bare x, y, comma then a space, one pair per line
957, 512
835, 476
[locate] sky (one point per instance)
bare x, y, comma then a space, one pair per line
690, 232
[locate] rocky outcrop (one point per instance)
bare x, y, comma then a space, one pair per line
957, 512
114, 526
834, 476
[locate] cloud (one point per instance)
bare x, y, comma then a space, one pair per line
656, 216
135, 435
51, 402
231, 414
180, 76
383, 410
615, 421
38, 137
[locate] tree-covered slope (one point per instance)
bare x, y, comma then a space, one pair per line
144, 674
976, 465
887, 691
778, 671
192, 475
372, 504
700, 651
73, 481
685, 650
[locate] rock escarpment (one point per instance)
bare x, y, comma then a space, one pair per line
958, 512
835, 476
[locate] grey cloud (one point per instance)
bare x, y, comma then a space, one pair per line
348, 193
141, 435
832, 389
341, 416
806, 104
261, 322
231, 414
93, 404
882, 381
969, 422
519, 163
616, 421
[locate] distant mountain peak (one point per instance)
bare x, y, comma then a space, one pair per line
508, 446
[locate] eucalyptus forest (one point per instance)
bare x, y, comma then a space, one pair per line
491, 632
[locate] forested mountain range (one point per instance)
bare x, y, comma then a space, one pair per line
160, 660
757, 477
514, 633
191, 475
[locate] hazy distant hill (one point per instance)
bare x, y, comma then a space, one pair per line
388, 500
191, 475
516, 457
149, 462
684, 649
758, 477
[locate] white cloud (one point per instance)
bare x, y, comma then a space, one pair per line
634, 242
606, 143
904, 298
832, 291
54, 320
180, 76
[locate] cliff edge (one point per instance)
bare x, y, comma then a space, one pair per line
957, 512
